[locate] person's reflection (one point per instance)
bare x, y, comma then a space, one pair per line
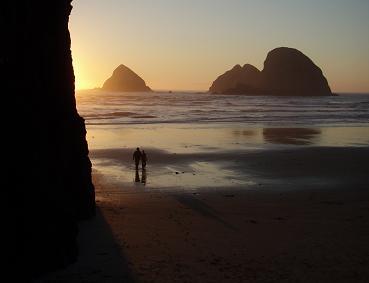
137, 177
143, 177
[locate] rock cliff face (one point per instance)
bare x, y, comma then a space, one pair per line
46, 150
286, 71
125, 80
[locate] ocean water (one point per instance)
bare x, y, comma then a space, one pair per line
193, 140
106, 108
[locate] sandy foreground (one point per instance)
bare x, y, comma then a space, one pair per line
275, 231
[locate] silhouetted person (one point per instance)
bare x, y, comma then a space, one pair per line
144, 159
137, 177
143, 178
137, 157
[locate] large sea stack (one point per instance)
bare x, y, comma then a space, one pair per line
287, 72
125, 80
47, 168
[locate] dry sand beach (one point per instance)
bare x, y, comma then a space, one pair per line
295, 223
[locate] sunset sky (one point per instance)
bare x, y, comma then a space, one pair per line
186, 44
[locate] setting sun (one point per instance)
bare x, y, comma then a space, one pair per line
80, 81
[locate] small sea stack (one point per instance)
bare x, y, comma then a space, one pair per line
125, 80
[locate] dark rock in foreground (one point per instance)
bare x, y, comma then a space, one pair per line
125, 80
47, 168
287, 72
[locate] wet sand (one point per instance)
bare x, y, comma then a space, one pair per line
240, 169
305, 218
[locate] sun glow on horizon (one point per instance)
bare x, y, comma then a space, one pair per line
172, 52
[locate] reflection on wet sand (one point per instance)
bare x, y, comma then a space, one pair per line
209, 138
295, 136
222, 156
137, 177
143, 176
246, 133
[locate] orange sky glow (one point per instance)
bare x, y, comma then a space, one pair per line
185, 45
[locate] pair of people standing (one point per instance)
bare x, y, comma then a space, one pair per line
140, 156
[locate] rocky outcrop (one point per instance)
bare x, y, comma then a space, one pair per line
125, 80
286, 71
47, 165
247, 78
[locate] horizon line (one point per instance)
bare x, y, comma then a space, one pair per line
205, 91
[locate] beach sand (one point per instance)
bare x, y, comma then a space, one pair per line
304, 218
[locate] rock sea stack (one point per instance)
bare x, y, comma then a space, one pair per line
125, 80
246, 78
287, 72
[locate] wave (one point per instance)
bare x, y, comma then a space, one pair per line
144, 108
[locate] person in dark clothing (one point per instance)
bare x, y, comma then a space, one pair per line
143, 159
137, 157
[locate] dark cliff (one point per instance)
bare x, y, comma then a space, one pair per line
50, 186
125, 80
287, 71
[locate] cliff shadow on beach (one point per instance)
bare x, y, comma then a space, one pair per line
101, 259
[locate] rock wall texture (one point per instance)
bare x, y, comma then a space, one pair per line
287, 72
46, 156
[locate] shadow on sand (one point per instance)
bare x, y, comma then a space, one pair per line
100, 258
202, 208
